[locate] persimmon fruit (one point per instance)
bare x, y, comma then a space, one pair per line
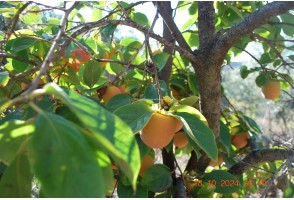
110, 92
240, 140
146, 162
220, 160
180, 139
123, 89
75, 66
191, 184
271, 90
175, 93
159, 130
105, 56
178, 125
80, 56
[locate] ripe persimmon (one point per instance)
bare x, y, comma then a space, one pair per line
75, 66
178, 125
240, 140
146, 162
80, 56
180, 139
159, 130
271, 90
105, 56
175, 93
219, 161
110, 92
191, 184
123, 89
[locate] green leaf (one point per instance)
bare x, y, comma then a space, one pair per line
289, 192
196, 129
126, 191
96, 15
151, 91
131, 43
106, 167
262, 79
288, 18
12, 134
253, 124
118, 139
157, 178
244, 72
265, 58
63, 160
193, 9
192, 38
135, 115
92, 72
160, 60
109, 29
192, 82
291, 57
53, 21
118, 101
189, 101
17, 179
226, 183
287, 78
141, 19
144, 149
20, 66
188, 24
225, 137
4, 78
31, 18
21, 43
71, 76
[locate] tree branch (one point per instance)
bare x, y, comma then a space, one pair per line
260, 156
101, 23
206, 23
170, 23
255, 20
50, 53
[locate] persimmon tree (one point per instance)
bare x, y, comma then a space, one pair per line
82, 109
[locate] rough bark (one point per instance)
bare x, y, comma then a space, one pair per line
260, 156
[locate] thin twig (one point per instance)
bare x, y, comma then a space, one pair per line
152, 58
272, 179
123, 10
50, 53
250, 55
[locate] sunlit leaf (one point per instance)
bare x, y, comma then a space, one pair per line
12, 134
4, 78
118, 139
63, 160
195, 128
